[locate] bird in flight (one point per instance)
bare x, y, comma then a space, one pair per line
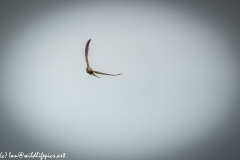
88, 69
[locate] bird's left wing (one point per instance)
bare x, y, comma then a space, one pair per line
86, 51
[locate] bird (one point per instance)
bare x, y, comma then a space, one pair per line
88, 69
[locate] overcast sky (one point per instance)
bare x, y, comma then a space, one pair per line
178, 89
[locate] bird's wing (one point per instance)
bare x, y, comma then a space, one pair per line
106, 73
86, 51
95, 75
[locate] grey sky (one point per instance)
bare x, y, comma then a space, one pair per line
178, 87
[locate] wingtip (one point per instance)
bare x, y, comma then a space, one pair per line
88, 41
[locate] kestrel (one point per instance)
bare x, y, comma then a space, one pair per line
88, 69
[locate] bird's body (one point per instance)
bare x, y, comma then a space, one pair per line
88, 69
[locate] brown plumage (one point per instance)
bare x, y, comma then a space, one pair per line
88, 69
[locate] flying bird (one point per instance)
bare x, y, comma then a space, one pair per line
88, 69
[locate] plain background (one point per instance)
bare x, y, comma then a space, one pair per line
177, 97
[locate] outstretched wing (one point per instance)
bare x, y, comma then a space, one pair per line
86, 51
106, 73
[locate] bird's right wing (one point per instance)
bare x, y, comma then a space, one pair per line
106, 73
86, 51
